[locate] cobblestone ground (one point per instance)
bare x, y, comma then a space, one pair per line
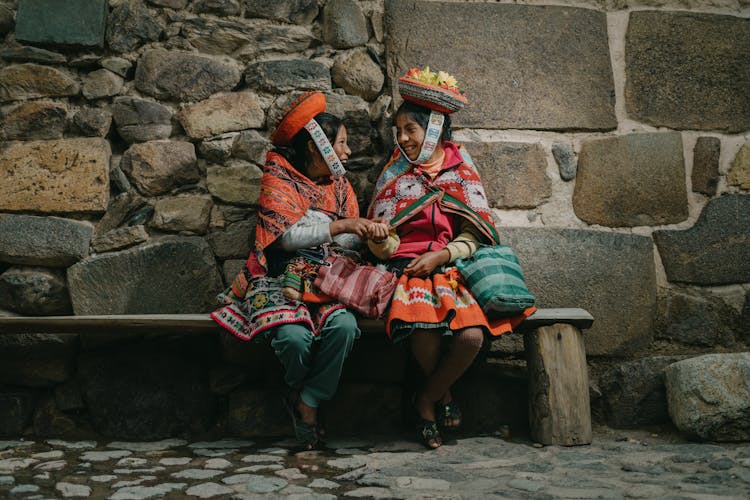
619, 464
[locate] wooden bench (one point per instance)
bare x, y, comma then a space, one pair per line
559, 409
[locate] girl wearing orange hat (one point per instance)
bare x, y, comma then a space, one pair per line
432, 196
305, 203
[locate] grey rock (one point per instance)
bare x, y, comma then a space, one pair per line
149, 446
699, 319
247, 41
172, 4
43, 241
208, 490
739, 171
183, 76
138, 492
634, 394
257, 413
344, 24
232, 268
130, 25
227, 113
358, 74
7, 20
594, 262
260, 484
101, 83
22, 489
238, 183
288, 75
295, 11
557, 76
68, 396
117, 65
219, 7
139, 120
234, 241
713, 94
513, 173
33, 360
15, 412
711, 252
76, 23
31, 54
156, 167
93, 122
218, 149
29, 81
35, 291
50, 421
184, 213
118, 210
33, 120
196, 474
251, 146
633, 180
708, 396
355, 113
705, 174
170, 276
222, 444
120, 238
151, 403
566, 161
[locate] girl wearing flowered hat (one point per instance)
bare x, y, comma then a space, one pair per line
432, 196
305, 202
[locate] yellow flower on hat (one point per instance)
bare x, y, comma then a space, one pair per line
439, 79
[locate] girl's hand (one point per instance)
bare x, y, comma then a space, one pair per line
355, 225
424, 264
378, 230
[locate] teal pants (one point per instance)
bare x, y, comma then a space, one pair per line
313, 365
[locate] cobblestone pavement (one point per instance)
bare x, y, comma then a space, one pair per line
619, 464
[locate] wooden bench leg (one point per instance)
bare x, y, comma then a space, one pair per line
559, 408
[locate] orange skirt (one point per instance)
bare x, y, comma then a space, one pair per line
441, 303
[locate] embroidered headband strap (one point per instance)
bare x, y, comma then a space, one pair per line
326, 150
431, 136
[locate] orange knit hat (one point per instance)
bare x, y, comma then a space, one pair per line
300, 111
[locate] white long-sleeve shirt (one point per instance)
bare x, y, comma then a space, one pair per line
312, 230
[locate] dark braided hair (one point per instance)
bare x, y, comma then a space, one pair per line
296, 152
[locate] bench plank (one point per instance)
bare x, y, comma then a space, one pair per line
202, 323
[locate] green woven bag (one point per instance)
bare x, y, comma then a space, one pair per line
494, 277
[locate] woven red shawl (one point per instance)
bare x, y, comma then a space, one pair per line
400, 192
285, 196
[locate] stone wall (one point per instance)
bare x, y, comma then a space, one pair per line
613, 137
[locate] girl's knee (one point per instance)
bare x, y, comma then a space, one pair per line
470, 338
344, 327
294, 338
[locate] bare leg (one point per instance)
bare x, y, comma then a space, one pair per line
426, 347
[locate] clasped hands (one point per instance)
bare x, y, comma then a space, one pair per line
376, 230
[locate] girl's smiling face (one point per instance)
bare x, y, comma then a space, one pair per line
318, 167
409, 134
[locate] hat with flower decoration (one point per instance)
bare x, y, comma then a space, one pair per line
436, 91
301, 114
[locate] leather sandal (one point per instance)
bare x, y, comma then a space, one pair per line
449, 411
307, 434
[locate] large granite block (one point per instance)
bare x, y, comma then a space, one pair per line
521, 66
34, 360
170, 276
611, 275
715, 250
72, 22
514, 174
709, 396
183, 76
43, 241
29, 81
633, 180
688, 70
57, 176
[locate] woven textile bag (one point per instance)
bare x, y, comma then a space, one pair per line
363, 288
493, 276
